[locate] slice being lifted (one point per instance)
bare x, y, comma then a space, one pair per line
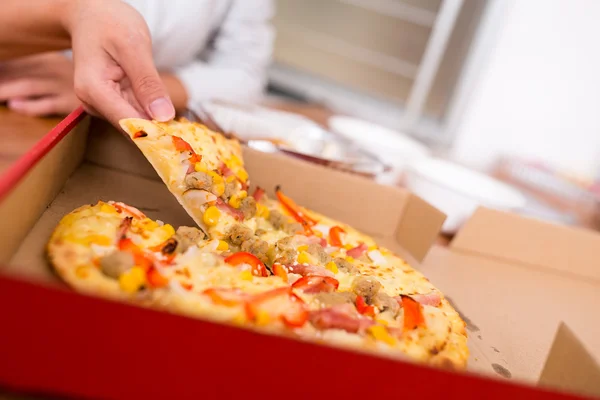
202, 169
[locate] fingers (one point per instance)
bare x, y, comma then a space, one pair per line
145, 81
22, 88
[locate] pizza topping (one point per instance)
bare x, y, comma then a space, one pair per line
211, 216
309, 270
335, 236
124, 227
168, 247
316, 284
116, 263
363, 308
305, 220
280, 303
256, 246
327, 299
342, 317
282, 222
381, 333
132, 280
187, 236
280, 271
242, 257
377, 257
384, 302
199, 180
258, 194
124, 208
226, 296
413, 313
248, 207
344, 265
357, 251
430, 299
155, 279
183, 146
140, 134
366, 286
236, 214
239, 233
318, 253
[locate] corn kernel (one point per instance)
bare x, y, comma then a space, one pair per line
304, 247
235, 161
246, 275
304, 258
168, 229
231, 179
242, 174
348, 246
335, 254
262, 211
236, 200
371, 248
318, 233
379, 332
382, 322
223, 245
332, 267
211, 216
262, 318
349, 259
108, 209
199, 167
87, 240
218, 183
82, 272
149, 224
132, 280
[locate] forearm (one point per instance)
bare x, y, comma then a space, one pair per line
30, 26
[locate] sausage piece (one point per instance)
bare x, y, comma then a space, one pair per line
344, 265
386, 303
366, 286
319, 253
257, 247
198, 180
282, 222
248, 207
239, 233
187, 236
116, 263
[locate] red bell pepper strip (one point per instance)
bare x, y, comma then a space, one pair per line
242, 257
226, 296
279, 303
155, 279
413, 313
140, 259
186, 286
280, 271
295, 211
363, 308
335, 236
139, 134
316, 284
182, 145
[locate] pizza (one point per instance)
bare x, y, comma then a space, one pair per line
203, 170
282, 269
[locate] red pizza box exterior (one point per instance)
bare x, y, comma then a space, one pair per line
57, 343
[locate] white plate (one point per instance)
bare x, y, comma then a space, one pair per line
393, 147
458, 191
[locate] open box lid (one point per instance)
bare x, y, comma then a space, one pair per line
532, 290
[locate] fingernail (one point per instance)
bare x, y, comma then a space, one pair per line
162, 109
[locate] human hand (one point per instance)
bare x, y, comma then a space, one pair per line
39, 85
114, 71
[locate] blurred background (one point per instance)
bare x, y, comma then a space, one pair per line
506, 87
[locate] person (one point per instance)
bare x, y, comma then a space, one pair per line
203, 49
109, 78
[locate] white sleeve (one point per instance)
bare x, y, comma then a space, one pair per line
235, 66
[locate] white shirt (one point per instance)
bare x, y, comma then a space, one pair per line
217, 48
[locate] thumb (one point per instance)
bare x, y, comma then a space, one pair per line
147, 85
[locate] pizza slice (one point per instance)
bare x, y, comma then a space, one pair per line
202, 169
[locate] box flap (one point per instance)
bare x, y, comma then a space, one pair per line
514, 238
385, 212
569, 366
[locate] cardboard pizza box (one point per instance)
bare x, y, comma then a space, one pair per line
54, 341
